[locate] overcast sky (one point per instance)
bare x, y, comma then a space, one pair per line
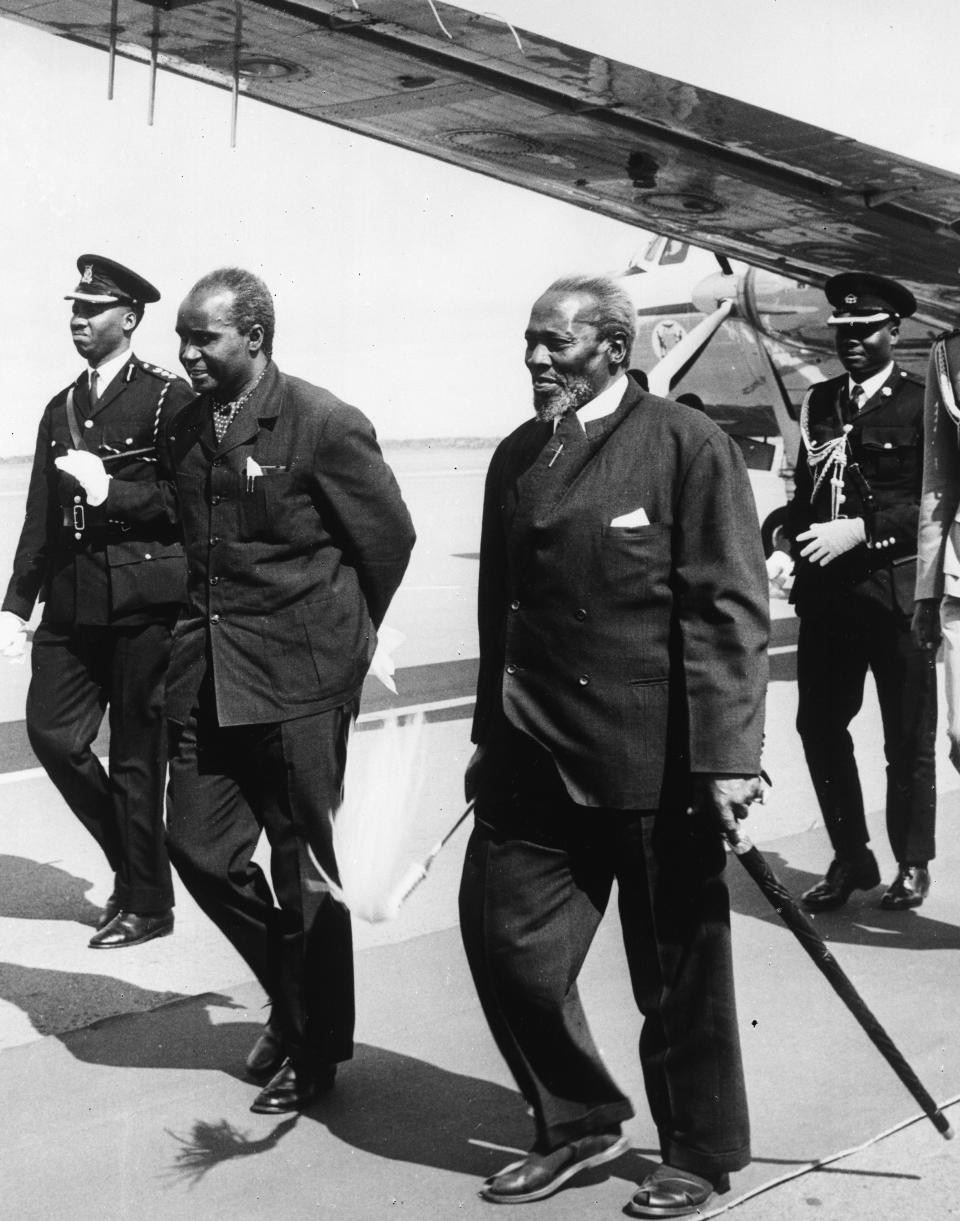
402, 284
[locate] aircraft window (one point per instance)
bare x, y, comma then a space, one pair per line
673, 252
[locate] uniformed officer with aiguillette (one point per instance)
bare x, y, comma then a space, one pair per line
853, 525
101, 548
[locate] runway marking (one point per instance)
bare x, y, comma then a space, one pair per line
488, 1144
29, 773
471, 470
365, 718
434, 706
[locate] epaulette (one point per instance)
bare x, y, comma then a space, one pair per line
910, 376
158, 372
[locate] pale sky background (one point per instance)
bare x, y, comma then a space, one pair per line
402, 284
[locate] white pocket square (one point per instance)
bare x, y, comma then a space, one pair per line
637, 518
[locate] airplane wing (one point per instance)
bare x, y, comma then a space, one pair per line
610, 137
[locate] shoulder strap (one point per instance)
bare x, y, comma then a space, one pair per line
76, 436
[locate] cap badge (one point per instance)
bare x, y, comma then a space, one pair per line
87, 277
850, 299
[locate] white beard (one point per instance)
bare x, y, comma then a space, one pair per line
565, 398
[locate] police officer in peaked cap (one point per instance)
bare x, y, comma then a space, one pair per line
853, 529
100, 547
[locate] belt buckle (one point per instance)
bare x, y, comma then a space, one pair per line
79, 518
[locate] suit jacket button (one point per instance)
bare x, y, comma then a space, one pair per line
214, 580
214, 500
581, 614
514, 605
511, 669
583, 680
214, 619
88, 423
213, 540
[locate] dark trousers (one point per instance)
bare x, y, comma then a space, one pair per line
536, 880
77, 673
833, 657
284, 778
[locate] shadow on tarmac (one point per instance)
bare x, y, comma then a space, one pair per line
859, 922
33, 891
210, 1144
404, 1109
57, 1001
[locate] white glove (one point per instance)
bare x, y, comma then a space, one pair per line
830, 539
382, 665
89, 472
13, 636
779, 572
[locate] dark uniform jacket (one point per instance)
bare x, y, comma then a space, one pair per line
633, 653
123, 561
886, 443
292, 561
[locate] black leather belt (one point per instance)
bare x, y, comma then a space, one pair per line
74, 519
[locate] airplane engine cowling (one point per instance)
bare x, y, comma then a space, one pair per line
783, 309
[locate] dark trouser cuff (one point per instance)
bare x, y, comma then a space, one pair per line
601, 1119
699, 1161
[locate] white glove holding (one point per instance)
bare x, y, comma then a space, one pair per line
779, 572
89, 472
830, 539
13, 636
382, 665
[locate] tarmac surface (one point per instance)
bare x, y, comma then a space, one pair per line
123, 1072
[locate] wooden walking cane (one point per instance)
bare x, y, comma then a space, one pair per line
799, 924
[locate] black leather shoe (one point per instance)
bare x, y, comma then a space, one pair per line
541, 1174
909, 889
291, 1089
267, 1054
129, 928
843, 878
674, 1193
110, 909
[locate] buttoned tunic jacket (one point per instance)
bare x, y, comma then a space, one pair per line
635, 654
297, 538
885, 440
121, 562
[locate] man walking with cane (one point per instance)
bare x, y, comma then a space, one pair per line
623, 629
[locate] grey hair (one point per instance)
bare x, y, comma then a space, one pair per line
616, 313
252, 300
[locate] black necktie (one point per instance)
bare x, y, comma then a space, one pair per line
93, 395
568, 437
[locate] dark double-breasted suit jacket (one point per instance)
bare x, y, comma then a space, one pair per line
125, 562
297, 538
623, 603
885, 440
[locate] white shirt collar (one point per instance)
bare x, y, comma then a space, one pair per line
872, 384
605, 403
109, 369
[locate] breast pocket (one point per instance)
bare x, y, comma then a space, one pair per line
891, 453
265, 506
635, 560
